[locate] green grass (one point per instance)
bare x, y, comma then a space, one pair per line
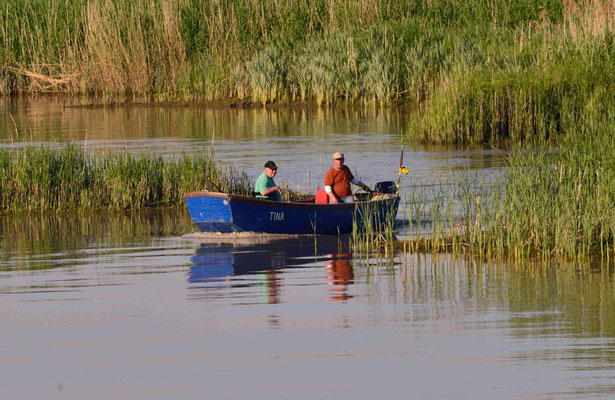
471, 71
551, 204
375, 234
535, 93
560, 200
72, 179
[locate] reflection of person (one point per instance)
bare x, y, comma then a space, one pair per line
338, 179
273, 286
265, 186
340, 274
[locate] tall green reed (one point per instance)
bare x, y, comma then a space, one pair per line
472, 72
70, 178
373, 229
551, 203
560, 199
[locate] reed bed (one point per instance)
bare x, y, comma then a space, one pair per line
551, 204
472, 71
535, 82
558, 203
37, 179
374, 234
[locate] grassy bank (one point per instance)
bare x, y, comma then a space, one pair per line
559, 203
532, 82
70, 178
550, 204
472, 71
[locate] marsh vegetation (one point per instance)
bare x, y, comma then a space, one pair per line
482, 71
472, 71
550, 204
70, 178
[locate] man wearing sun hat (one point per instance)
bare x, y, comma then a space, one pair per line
265, 186
338, 179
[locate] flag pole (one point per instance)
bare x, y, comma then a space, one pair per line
402, 169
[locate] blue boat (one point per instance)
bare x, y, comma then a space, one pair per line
221, 212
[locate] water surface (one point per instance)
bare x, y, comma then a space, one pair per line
123, 305
301, 141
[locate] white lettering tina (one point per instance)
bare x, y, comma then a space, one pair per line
276, 216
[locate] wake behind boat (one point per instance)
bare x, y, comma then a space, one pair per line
222, 212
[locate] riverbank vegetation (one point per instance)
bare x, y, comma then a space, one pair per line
472, 71
466, 72
550, 204
37, 179
557, 203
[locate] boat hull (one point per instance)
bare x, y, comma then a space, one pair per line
219, 212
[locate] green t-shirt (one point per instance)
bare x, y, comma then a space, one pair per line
263, 183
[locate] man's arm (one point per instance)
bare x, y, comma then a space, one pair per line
271, 190
360, 184
331, 195
329, 187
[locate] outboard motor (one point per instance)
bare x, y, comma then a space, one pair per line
387, 187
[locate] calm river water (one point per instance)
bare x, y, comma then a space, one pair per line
124, 305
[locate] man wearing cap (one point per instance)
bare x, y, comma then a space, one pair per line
265, 186
338, 179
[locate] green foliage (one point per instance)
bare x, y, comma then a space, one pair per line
267, 70
559, 202
550, 204
473, 71
70, 178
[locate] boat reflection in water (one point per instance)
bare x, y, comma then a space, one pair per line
234, 266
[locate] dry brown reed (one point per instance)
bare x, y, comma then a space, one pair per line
120, 54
